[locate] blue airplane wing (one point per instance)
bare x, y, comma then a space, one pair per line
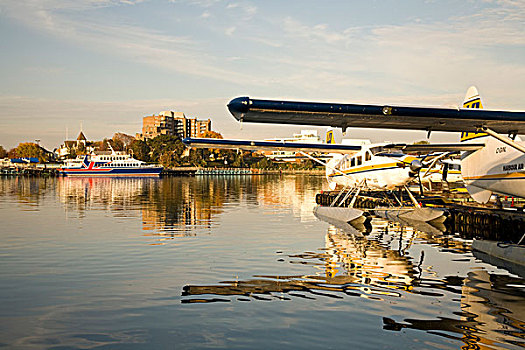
269, 145
376, 116
436, 147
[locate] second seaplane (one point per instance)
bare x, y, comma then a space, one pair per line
351, 168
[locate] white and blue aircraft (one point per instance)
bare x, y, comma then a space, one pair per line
379, 166
493, 156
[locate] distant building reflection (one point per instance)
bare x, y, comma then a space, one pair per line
168, 205
180, 206
297, 192
29, 191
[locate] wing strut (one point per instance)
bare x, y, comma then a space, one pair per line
322, 163
412, 198
509, 142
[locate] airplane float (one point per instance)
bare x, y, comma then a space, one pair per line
492, 158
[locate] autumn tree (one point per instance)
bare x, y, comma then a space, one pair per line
117, 144
140, 150
167, 150
210, 135
12, 153
81, 149
3, 152
196, 157
30, 149
124, 139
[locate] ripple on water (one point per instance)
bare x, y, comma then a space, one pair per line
234, 262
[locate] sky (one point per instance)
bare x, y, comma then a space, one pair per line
104, 64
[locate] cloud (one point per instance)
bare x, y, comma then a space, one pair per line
284, 56
201, 3
153, 47
248, 10
318, 32
229, 31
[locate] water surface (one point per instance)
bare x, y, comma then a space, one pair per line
233, 262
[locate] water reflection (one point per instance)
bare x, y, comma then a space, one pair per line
491, 315
91, 279
348, 264
379, 267
169, 207
27, 191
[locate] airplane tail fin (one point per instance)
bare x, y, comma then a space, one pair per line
330, 137
472, 100
332, 163
469, 160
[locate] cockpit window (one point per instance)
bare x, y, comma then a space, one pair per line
390, 154
376, 150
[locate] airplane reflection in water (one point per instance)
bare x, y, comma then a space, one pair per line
350, 263
491, 308
378, 267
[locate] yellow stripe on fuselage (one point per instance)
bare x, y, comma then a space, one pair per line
495, 176
367, 168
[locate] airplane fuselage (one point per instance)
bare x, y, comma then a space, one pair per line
376, 172
496, 167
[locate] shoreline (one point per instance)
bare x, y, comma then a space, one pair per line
178, 171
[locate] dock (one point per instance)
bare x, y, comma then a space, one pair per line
467, 219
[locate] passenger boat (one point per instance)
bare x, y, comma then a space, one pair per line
114, 164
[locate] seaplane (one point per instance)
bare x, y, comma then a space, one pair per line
351, 168
492, 154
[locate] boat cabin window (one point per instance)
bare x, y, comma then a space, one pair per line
352, 162
359, 160
368, 156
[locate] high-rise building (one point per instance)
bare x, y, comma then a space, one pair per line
172, 123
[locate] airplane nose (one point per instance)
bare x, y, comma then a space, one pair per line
415, 165
238, 106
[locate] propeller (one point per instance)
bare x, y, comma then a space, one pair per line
416, 165
434, 161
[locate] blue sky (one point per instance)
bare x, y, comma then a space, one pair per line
106, 64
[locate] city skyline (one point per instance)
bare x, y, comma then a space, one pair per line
107, 64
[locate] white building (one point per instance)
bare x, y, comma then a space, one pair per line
306, 136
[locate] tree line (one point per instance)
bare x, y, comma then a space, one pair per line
167, 150
26, 150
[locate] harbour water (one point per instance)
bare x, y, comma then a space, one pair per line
234, 262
